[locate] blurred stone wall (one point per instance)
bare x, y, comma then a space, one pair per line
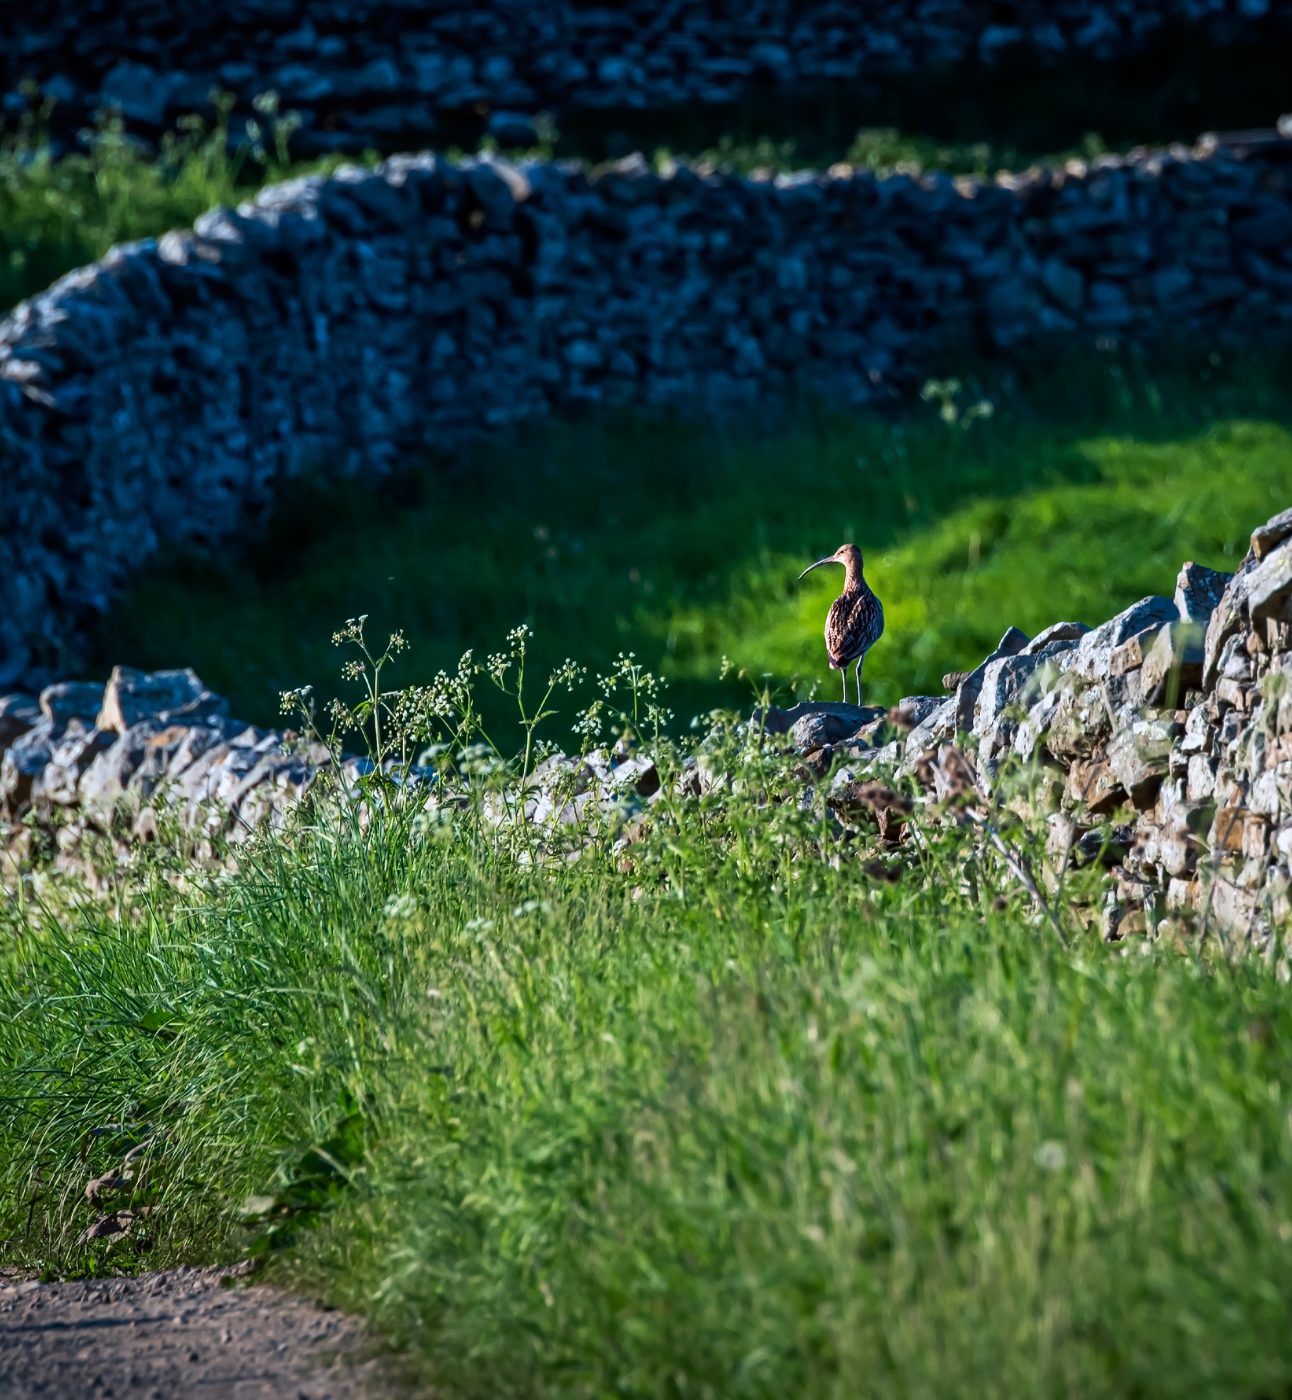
373, 71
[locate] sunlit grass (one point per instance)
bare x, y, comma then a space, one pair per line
1079, 495
61, 212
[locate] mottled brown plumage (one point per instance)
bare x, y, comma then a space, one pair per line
855, 621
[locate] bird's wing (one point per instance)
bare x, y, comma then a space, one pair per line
852, 627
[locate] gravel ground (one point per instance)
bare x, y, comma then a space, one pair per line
178, 1332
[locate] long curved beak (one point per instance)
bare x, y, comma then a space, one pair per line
817, 565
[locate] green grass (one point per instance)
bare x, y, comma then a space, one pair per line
1085, 490
59, 213
732, 1123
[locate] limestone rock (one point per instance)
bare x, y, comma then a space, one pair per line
166, 697
71, 700
1198, 592
1050, 637
1093, 786
59, 780
1269, 587
1138, 758
822, 721
1275, 532
23, 762
1173, 664
1011, 643
1092, 656
18, 714
912, 710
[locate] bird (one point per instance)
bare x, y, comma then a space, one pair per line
855, 621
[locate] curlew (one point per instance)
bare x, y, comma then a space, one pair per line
855, 621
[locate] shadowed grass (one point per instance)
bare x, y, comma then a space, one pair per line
59, 213
1085, 490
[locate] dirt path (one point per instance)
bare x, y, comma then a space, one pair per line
177, 1332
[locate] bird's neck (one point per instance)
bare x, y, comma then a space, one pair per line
854, 580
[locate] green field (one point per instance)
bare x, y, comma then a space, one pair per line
1085, 489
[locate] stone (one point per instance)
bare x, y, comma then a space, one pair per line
1080, 720
513, 129
106, 778
1270, 230
876, 802
1227, 621
1092, 656
937, 726
842, 719
912, 710
816, 729
637, 774
141, 94
1011, 643
1268, 537
166, 697
1002, 683
59, 780
22, 763
192, 744
1169, 284
1091, 785
18, 714
499, 186
1269, 588
1138, 758
1173, 664
1054, 634
71, 700
1037, 722
1130, 655
1198, 592
1064, 283
1232, 909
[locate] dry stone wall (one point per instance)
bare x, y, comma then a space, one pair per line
344, 325
370, 72
1158, 745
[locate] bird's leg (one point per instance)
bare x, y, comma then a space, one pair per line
843, 671
860, 659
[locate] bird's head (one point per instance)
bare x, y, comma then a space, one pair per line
847, 554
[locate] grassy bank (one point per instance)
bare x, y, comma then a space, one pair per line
729, 1122
1085, 489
